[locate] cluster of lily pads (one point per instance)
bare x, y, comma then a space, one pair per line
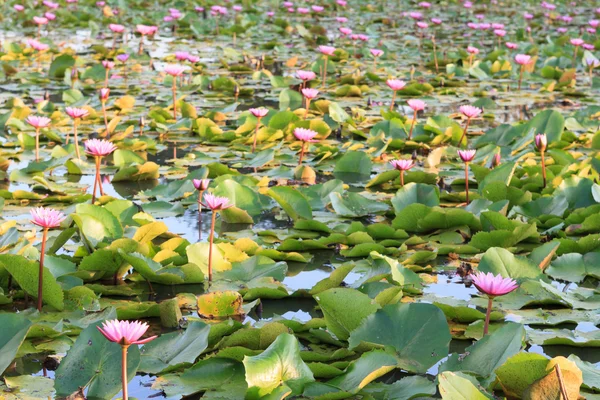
344, 199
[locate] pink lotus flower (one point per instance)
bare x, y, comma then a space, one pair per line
216, 203
145, 30
77, 113
40, 20
402, 165
588, 46
466, 155
522, 59
416, 105
425, 4
305, 135
500, 32
470, 111
310, 93
38, 122
395, 84
317, 9
108, 64
415, 15
303, 10
345, 31
342, 3
50, 16
559, 30
123, 57
594, 23
541, 141
259, 112
497, 26
341, 20
472, 50
436, 21
182, 55
511, 46
237, 8
104, 93
577, 42
174, 70
193, 59
288, 4
528, 16
36, 45
376, 52
422, 25
496, 160
99, 148
46, 218
19, 7
125, 333
306, 75
270, 14
327, 50
50, 4
493, 286
116, 28
362, 37
201, 184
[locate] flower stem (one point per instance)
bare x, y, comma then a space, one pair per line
561, 382
255, 135
37, 144
105, 117
212, 238
435, 60
543, 168
75, 123
393, 101
412, 125
402, 178
174, 98
520, 77
301, 154
124, 371
467, 181
106, 78
96, 179
324, 72
307, 106
41, 274
464, 135
487, 317
200, 214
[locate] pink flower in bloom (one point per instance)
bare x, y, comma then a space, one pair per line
201, 184
317, 8
484, 25
125, 333
472, 50
522, 59
422, 25
216, 203
591, 62
303, 10
99, 148
100, 3
270, 14
500, 32
50, 4
38, 122
182, 55
541, 141
470, 111
395, 84
116, 28
259, 112
415, 15
402, 165
466, 155
594, 23
146, 30
492, 285
363, 37
104, 93
588, 46
108, 64
566, 18
305, 135
341, 20
559, 30
76, 113
327, 50
436, 21
467, 4
342, 3
174, 70
376, 52
497, 26
527, 16
19, 7
346, 31
577, 42
50, 16
47, 218
237, 8
288, 4
511, 45
123, 57
310, 93
36, 45
40, 20
416, 105
425, 4
306, 75
473, 25
193, 59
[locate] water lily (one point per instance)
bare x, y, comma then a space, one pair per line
305, 136
492, 286
46, 218
402, 166
376, 53
258, 113
216, 204
98, 149
470, 112
416, 106
38, 123
77, 114
108, 65
466, 156
174, 71
125, 334
309, 94
395, 85
326, 51
522, 60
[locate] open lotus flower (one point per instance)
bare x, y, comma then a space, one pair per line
76, 114
522, 60
467, 156
416, 105
306, 75
46, 218
305, 136
402, 166
38, 123
216, 204
395, 85
98, 149
326, 51
492, 286
258, 113
125, 333
469, 112
174, 70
